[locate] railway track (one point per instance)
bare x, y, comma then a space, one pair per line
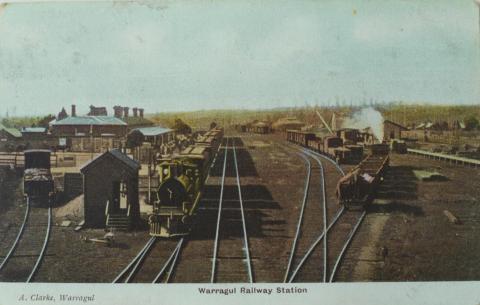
156, 263
231, 260
340, 232
139, 270
26, 254
311, 222
343, 228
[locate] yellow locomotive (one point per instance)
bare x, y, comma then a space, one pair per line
181, 181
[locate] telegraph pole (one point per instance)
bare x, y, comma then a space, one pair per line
477, 2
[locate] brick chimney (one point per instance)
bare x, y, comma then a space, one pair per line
135, 112
117, 111
125, 112
140, 110
74, 110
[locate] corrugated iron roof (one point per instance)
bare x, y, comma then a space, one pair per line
12, 131
89, 120
137, 121
34, 129
153, 131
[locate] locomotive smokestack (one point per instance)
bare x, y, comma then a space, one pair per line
125, 112
140, 110
135, 112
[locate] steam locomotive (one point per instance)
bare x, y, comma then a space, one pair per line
181, 181
357, 188
38, 182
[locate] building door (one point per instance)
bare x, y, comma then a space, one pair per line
123, 196
119, 196
115, 205
392, 134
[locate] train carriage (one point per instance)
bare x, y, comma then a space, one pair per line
331, 146
38, 182
358, 187
300, 137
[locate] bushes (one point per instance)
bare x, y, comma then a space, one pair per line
471, 123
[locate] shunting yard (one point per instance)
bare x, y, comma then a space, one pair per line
405, 234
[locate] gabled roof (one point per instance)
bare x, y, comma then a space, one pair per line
88, 120
396, 124
117, 154
261, 124
288, 121
12, 131
153, 131
137, 121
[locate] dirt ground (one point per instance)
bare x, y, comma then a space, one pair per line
404, 237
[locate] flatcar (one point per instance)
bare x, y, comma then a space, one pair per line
181, 182
358, 187
38, 182
211, 138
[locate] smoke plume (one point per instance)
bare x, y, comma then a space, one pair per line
366, 117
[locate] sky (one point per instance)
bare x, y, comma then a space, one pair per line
192, 55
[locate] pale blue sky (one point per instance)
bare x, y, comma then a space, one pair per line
188, 55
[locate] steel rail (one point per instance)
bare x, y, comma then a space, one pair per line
349, 238
345, 246
212, 165
244, 225
140, 259
19, 235
298, 147
300, 218
314, 245
44, 247
215, 246
173, 256
324, 197
133, 261
328, 159
354, 230
174, 262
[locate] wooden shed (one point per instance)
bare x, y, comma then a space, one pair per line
261, 127
392, 130
110, 187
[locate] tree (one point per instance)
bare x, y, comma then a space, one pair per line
181, 127
471, 123
134, 139
43, 122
